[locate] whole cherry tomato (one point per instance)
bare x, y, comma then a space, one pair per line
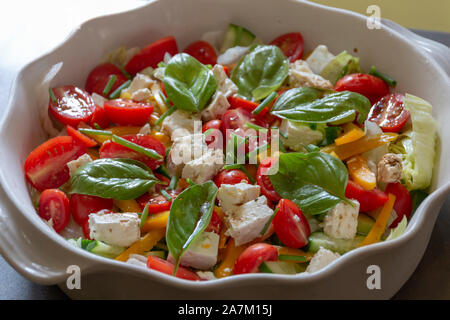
371, 87
99, 77
202, 51
232, 176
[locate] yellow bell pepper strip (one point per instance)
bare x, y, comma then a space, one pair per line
360, 173
146, 243
165, 139
128, 205
119, 131
362, 145
156, 221
229, 257
351, 133
223, 238
379, 227
294, 252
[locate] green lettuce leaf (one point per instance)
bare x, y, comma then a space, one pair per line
398, 230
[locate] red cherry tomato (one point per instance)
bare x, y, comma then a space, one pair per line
72, 106
216, 126
166, 267
233, 176
291, 44
403, 203
156, 202
371, 87
368, 199
390, 113
99, 117
212, 124
158, 186
290, 224
86, 230
263, 180
203, 52
252, 257
99, 77
111, 149
128, 112
53, 204
215, 225
82, 205
80, 138
46, 166
152, 54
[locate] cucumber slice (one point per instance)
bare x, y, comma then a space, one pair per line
341, 246
106, 250
236, 36
365, 224
278, 267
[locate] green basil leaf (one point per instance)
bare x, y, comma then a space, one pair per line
335, 108
260, 72
315, 181
295, 97
121, 179
190, 214
188, 83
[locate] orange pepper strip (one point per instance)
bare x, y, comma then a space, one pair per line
223, 238
380, 224
351, 133
128, 205
294, 252
359, 146
145, 244
120, 131
229, 258
93, 153
156, 221
360, 173
165, 139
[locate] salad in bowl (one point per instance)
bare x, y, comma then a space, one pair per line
231, 157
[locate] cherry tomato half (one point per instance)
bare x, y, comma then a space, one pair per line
82, 205
263, 180
100, 118
371, 87
80, 138
46, 166
166, 267
72, 106
53, 204
156, 201
390, 113
368, 199
86, 230
211, 138
128, 112
291, 44
252, 257
290, 224
152, 54
111, 149
403, 203
99, 77
202, 51
232, 176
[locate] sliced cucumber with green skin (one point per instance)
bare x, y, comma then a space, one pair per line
341, 246
105, 250
365, 224
236, 36
278, 267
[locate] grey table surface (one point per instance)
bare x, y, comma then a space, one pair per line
431, 280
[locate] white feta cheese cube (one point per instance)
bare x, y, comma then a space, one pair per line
319, 58
298, 134
202, 254
232, 55
247, 222
224, 84
300, 75
137, 260
216, 108
206, 275
321, 259
121, 229
204, 168
185, 149
140, 81
141, 94
75, 164
98, 99
231, 196
342, 221
181, 123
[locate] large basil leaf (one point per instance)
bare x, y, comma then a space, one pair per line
260, 72
121, 179
335, 108
188, 83
315, 181
190, 214
295, 97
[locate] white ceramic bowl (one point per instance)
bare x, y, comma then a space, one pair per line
420, 66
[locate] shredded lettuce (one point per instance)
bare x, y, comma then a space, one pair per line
398, 230
340, 66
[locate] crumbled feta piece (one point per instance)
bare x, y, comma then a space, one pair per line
341, 221
185, 149
180, 123
141, 94
247, 222
298, 134
390, 168
205, 167
231, 196
121, 229
140, 81
98, 99
75, 164
216, 108
202, 254
300, 75
137, 260
319, 58
232, 55
321, 259
206, 275
224, 84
